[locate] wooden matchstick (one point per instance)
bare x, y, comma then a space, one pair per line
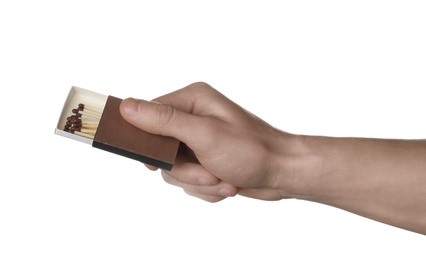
84, 121
72, 131
84, 130
80, 113
84, 107
78, 120
86, 111
86, 126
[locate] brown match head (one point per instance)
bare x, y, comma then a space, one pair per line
76, 121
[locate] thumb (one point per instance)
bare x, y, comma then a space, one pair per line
161, 119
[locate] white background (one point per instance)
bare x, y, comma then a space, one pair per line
337, 68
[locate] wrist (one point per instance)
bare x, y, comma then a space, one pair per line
299, 164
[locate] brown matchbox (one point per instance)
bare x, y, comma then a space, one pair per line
112, 133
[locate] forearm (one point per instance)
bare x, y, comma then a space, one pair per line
383, 180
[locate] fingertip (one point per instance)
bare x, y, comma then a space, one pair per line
228, 191
129, 107
150, 167
234, 191
192, 174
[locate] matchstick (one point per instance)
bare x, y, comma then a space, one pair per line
83, 107
84, 130
88, 111
72, 131
76, 120
80, 113
86, 126
84, 121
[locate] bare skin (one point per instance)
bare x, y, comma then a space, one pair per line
228, 151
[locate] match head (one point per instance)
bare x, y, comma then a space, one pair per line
75, 128
78, 114
89, 109
83, 123
76, 121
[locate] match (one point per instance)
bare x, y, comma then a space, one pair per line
83, 107
87, 114
83, 122
76, 120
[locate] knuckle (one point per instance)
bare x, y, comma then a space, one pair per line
166, 114
199, 87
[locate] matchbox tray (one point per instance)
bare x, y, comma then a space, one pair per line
76, 96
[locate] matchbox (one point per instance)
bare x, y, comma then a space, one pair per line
95, 119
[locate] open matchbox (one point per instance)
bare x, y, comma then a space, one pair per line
95, 119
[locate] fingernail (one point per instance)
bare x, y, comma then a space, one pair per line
224, 192
131, 106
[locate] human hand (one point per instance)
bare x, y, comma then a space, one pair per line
225, 149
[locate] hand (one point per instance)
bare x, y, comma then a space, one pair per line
225, 149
